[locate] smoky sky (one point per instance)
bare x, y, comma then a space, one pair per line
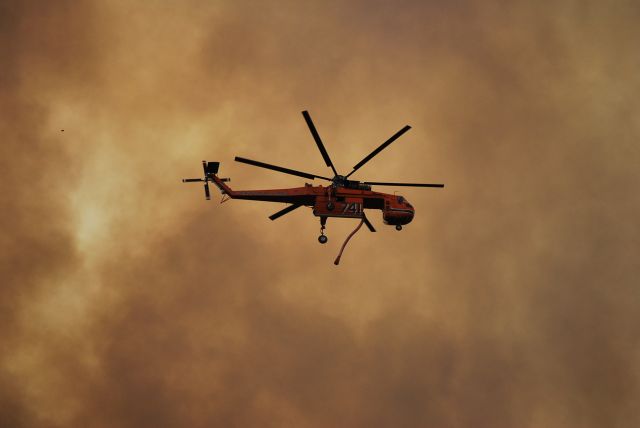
128, 300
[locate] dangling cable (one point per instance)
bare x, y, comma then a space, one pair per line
337, 261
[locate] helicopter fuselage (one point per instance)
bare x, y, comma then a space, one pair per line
331, 201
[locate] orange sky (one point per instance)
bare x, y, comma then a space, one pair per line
128, 300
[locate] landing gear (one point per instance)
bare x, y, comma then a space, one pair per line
398, 227
322, 238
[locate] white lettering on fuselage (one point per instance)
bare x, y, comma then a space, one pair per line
354, 207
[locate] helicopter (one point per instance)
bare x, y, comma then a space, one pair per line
342, 198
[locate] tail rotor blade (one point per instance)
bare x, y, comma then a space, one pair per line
287, 210
316, 137
366, 222
206, 191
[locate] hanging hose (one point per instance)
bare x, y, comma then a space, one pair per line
337, 261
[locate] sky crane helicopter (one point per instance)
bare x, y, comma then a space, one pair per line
343, 198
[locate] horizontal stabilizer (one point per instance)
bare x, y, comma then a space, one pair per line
211, 167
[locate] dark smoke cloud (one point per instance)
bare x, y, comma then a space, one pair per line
511, 300
37, 243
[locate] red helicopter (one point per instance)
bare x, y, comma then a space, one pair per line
342, 198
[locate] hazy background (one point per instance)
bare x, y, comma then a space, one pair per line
127, 300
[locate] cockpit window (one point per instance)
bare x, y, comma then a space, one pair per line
400, 199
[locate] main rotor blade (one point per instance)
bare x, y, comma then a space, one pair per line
316, 137
366, 221
382, 146
377, 183
279, 168
284, 211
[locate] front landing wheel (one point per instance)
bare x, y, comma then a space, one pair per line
398, 227
322, 239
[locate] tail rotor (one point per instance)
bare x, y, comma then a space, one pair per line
210, 169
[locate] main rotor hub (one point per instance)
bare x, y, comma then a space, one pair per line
339, 180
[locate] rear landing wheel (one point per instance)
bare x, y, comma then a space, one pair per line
322, 239
398, 227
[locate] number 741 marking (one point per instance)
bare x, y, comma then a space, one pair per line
354, 207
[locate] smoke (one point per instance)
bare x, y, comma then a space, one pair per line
128, 300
